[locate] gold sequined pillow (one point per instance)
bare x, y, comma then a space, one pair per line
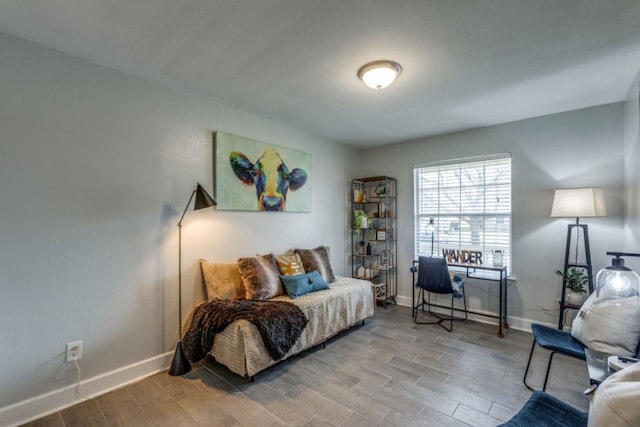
261, 277
290, 264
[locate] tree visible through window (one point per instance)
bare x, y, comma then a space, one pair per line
463, 208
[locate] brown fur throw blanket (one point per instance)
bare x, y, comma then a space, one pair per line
280, 324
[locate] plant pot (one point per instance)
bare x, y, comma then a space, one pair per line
574, 298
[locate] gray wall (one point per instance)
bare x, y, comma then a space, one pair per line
574, 149
96, 168
632, 172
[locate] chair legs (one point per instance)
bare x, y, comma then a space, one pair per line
526, 371
546, 376
440, 319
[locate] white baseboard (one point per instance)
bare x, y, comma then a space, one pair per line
56, 400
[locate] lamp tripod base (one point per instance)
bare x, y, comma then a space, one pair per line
180, 364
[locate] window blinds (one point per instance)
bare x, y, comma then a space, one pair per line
470, 204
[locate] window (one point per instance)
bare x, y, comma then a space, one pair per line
463, 209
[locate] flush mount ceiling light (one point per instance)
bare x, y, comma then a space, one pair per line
379, 74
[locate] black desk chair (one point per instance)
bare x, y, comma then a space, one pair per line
434, 276
557, 341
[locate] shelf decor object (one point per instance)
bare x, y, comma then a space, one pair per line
577, 203
180, 364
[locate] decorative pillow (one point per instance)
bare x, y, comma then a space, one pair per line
303, 284
290, 264
608, 325
317, 259
261, 277
615, 401
223, 281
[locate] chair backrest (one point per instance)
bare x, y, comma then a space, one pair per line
433, 275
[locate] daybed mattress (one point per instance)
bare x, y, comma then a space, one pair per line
347, 302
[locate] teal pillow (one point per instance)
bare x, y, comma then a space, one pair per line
301, 284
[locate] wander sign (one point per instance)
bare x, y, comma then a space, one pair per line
462, 256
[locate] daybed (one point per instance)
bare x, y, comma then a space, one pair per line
240, 347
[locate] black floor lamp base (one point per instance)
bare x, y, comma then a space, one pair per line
180, 364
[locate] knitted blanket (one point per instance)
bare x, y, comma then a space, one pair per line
280, 324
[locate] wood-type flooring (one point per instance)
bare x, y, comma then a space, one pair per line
389, 372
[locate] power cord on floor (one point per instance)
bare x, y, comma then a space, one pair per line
77, 390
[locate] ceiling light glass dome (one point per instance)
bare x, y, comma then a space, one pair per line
379, 74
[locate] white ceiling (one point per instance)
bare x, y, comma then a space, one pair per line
467, 63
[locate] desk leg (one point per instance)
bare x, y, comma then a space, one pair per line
413, 296
414, 306
500, 318
506, 323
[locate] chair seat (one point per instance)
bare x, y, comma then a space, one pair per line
557, 340
542, 409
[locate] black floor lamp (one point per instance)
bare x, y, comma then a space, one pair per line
577, 203
180, 364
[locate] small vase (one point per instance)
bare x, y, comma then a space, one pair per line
574, 298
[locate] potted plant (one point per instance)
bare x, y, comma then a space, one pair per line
361, 222
575, 280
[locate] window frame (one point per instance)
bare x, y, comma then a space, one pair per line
437, 201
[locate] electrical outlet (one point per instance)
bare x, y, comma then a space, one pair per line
73, 351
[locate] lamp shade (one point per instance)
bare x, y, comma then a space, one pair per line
203, 199
578, 202
431, 226
379, 74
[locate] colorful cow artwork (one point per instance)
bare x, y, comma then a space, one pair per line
281, 177
270, 176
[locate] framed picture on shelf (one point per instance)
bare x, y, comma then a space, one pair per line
381, 235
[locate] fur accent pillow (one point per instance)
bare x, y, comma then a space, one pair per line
261, 277
317, 259
290, 264
223, 281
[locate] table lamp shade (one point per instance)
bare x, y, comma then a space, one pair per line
617, 280
578, 202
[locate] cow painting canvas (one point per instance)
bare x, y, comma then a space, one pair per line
256, 176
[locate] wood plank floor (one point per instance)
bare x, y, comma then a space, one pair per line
389, 372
